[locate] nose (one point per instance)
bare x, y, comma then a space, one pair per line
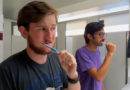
48, 34
104, 37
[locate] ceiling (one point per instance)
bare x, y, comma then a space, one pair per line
11, 7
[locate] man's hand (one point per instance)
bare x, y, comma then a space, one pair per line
68, 62
111, 48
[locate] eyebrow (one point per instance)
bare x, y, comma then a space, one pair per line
45, 25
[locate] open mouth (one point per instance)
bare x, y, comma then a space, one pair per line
48, 43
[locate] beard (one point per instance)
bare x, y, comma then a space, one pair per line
97, 43
36, 49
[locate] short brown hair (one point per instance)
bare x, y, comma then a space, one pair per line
34, 12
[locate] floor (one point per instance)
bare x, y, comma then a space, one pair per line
127, 87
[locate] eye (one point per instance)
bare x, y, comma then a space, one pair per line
53, 28
101, 34
41, 28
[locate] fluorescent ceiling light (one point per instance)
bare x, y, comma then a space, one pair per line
90, 13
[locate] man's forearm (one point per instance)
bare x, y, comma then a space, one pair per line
102, 71
103, 86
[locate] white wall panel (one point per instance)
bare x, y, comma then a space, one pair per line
18, 44
115, 19
7, 38
115, 78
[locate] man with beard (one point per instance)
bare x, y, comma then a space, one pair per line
36, 67
90, 69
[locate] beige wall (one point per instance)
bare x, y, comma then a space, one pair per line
1, 29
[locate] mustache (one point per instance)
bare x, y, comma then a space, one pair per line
48, 41
102, 40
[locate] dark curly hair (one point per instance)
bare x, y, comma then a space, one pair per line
91, 28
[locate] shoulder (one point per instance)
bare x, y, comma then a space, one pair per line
82, 49
12, 61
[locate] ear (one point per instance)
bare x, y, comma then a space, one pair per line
89, 36
23, 31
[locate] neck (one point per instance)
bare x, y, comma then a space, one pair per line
91, 47
38, 58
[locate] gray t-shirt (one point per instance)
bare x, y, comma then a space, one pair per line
19, 72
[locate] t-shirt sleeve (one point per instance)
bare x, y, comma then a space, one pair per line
83, 60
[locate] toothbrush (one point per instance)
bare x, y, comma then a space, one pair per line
53, 49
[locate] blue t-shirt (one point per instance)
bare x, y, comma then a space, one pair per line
86, 60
